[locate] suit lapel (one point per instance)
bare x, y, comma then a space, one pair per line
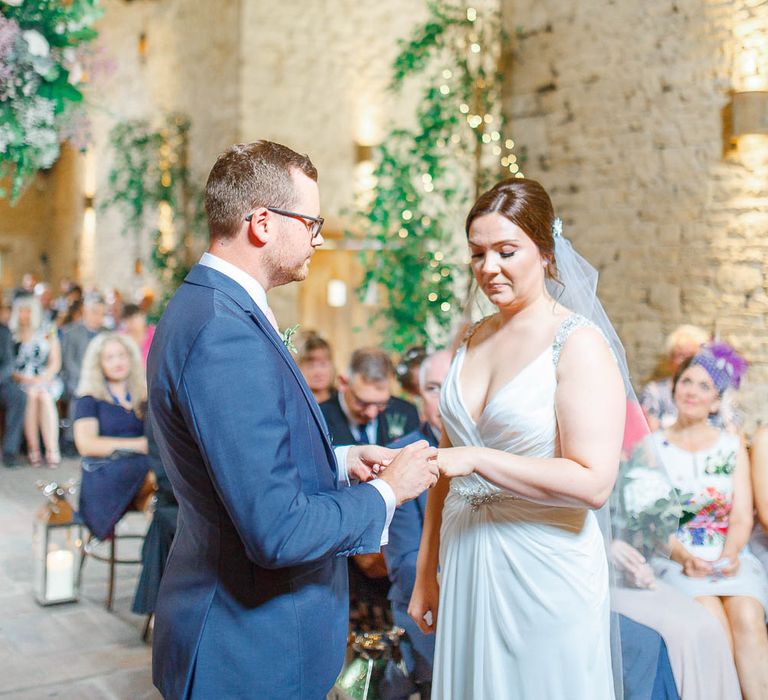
266, 327
208, 277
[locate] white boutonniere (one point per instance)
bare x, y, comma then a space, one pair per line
395, 426
287, 337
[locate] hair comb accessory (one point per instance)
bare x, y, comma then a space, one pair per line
557, 227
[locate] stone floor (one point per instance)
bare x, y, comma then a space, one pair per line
74, 651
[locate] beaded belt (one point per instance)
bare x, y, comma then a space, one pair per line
477, 498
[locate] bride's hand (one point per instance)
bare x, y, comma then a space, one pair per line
455, 461
423, 605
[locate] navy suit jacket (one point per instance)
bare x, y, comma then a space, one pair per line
400, 418
405, 531
253, 602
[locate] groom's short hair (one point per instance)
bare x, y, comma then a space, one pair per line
372, 364
248, 176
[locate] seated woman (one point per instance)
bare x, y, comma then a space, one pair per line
109, 432
709, 559
656, 397
38, 361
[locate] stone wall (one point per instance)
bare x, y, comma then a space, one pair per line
190, 64
620, 108
314, 76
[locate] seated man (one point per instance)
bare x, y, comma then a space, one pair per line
365, 412
404, 537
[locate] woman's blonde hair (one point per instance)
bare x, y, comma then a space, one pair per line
35, 315
685, 335
92, 380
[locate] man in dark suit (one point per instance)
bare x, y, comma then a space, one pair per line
75, 338
253, 600
12, 399
364, 411
404, 537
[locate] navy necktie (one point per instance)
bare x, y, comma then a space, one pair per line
363, 440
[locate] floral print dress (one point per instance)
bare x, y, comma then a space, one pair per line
706, 478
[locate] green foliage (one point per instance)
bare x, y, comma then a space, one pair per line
40, 77
427, 177
150, 176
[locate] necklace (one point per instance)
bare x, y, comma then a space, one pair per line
115, 398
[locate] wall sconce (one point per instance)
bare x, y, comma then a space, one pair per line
365, 181
336, 293
363, 153
749, 127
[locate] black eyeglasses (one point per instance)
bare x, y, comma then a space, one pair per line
363, 405
313, 223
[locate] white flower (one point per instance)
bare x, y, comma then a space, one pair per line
13, 3
75, 74
36, 43
644, 487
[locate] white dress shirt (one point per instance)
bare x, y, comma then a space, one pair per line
259, 296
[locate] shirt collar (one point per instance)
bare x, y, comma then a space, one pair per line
250, 284
355, 427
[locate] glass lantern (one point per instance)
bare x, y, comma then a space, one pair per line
56, 547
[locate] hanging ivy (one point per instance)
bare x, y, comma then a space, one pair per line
426, 178
150, 183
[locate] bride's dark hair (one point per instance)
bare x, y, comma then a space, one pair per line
526, 204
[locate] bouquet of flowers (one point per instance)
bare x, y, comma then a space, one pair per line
648, 508
41, 71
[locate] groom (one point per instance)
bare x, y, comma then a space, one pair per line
253, 602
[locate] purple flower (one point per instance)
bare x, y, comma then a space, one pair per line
9, 33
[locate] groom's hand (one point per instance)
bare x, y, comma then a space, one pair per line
413, 470
364, 462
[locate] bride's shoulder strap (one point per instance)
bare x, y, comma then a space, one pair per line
568, 326
469, 331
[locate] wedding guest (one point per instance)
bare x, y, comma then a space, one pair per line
44, 295
71, 315
36, 370
76, 338
407, 371
656, 397
708, 559
27, 286
74, 342
109, 432
134, 324
13, 400
316, 364
5, 313
696, 644
364, 411
114, 304
400, 553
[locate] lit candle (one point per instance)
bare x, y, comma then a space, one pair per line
60, 579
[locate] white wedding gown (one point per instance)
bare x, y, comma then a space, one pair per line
524, 592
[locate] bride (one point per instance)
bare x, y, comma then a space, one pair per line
533, 409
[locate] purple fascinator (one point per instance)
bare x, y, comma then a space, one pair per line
723, 364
